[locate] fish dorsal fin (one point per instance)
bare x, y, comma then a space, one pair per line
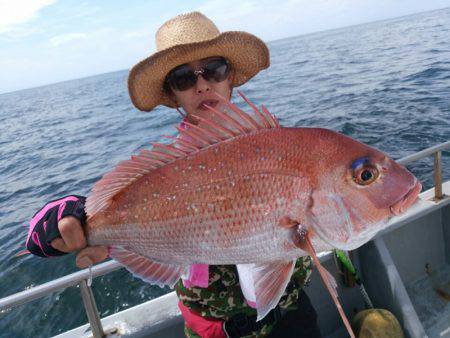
222, 126
264, 284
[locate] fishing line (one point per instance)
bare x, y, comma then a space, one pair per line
89, 281
180, 112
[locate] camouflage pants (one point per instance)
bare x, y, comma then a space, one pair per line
223, 299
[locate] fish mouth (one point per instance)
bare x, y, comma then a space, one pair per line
407, 200
205, 104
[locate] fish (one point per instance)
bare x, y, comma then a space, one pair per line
238, 188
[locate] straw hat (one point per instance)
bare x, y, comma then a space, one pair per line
186, 38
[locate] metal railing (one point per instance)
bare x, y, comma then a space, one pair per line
437, 151
81, 278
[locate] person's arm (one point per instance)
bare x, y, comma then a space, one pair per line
57, 229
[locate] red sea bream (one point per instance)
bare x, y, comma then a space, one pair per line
240, 189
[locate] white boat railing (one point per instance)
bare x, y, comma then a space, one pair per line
81, 277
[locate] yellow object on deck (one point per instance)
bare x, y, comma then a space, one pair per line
376, 323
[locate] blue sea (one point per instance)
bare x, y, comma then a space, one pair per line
385, 83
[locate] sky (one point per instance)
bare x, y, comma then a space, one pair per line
48, 41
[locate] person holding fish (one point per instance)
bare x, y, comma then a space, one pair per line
234, 210
193, 61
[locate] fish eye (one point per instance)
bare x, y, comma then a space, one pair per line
366, 174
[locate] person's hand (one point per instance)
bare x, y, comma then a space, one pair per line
91, 255
72, 235
57, 229
73, 239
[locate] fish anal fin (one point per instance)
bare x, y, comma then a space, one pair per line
265, 283
149, 271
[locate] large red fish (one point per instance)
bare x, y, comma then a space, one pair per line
240, 189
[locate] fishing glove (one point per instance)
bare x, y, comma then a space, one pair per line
44, 224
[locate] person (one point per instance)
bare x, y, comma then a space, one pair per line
193, 61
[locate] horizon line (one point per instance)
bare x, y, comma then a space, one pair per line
268, 42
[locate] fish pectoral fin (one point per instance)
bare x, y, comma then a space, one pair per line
287, 222
264, 284
149, 271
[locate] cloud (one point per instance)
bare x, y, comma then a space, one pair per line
229, 10
14, 13
64, 38
266, 18
142, 33
271, 20
75, 39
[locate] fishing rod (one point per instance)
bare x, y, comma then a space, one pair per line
345, 260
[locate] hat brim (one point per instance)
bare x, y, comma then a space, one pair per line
247, 54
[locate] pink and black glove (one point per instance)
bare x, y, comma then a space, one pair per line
44, 224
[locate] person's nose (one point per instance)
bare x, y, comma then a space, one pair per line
202, 85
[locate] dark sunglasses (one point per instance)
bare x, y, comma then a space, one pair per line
184, 78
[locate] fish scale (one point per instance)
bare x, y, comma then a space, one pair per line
244, 222
239, 203
247, 192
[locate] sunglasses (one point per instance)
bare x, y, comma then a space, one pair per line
183, 77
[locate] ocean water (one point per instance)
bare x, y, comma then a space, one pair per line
386, 84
